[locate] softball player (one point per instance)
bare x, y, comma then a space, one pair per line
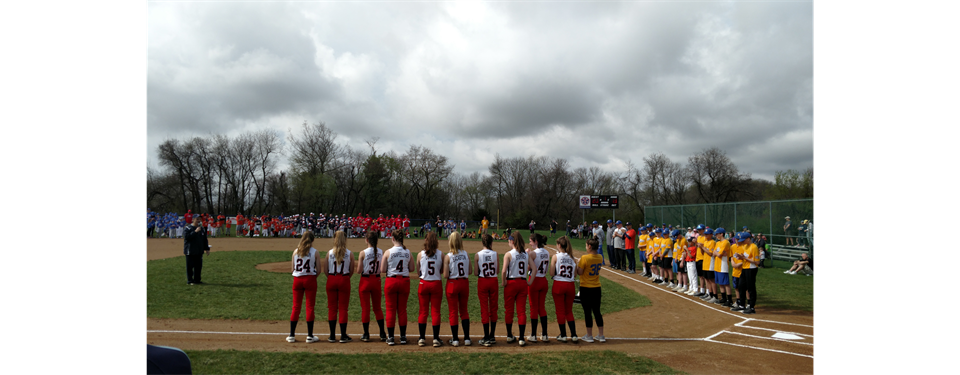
430, 290
750, 256
537, 286
488, 290
562, 268
708, 260
368, 266
721, 268
666, 260
397, 265
513, 273
456, 269
339, 270
304, 268
588, 267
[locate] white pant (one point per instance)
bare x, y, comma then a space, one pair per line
692, 274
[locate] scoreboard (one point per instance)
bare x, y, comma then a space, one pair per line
599, 201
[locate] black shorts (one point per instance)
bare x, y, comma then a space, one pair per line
708, 275
699, 268
668, 263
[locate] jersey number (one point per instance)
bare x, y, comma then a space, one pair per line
400, 266
375, 266
522, 267
543, 268
460, 272
566, 271
488, 270
300, 265
594, 269
430, 270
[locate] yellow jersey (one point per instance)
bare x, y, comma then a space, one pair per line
708, 260
700, 240
736, 263
590, 264
750, 252
666, 248
722, 262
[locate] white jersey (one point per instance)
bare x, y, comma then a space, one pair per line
459, 264
371, 261
565, 267
541, 262
518, 264
487, 264
305, 266
338, 269
398, 262
430, 266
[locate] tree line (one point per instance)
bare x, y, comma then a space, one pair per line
230, 175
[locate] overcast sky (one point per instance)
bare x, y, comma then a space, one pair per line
595, 83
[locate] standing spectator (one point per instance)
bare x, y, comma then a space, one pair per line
194, 245
151, 222
188, 217
553, 228
616, 256
532, 225
569, 234
802, 231
808, 232
787, 228
609, 243
463, 227
484, 224
629, 245
599, 233
761, 243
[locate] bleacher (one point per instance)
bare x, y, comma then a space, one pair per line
786, 253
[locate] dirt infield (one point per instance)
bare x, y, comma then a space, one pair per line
679, 331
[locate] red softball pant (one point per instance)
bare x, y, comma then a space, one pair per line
370, 294
338, 296
304, 285
430, 293
515, 295
488, 291
458, 293
538, 297
563, 294
397, 291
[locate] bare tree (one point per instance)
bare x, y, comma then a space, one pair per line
666, 180
314, 149
715, 177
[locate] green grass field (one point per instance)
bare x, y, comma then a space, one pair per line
235, 289
568, 362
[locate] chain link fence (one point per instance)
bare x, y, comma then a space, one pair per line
767, 217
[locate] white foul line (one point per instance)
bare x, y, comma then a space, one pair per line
769, 338
754, 347
793, 324
771, 330
372, 337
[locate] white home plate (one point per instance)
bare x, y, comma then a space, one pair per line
786, 336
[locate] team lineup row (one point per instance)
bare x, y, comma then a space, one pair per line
523, 274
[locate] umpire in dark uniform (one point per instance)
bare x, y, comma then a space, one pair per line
194, 245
